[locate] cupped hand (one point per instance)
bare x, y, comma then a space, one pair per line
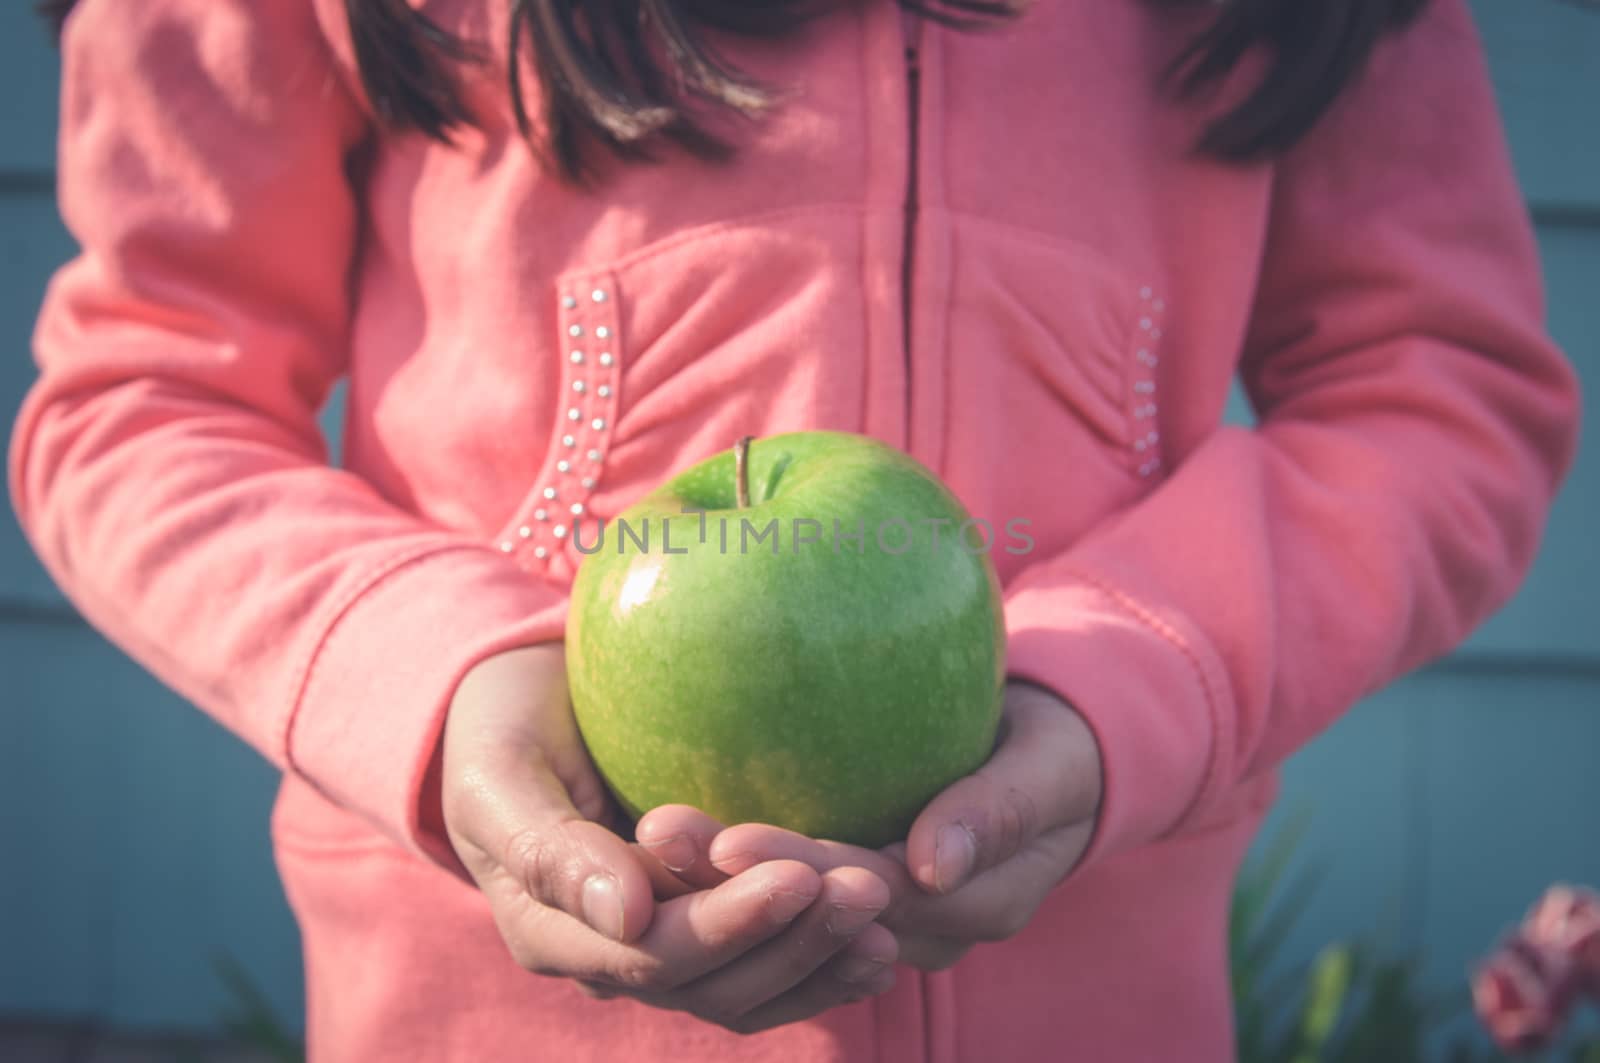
979, 860
528, 816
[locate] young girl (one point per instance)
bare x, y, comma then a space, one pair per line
560, 251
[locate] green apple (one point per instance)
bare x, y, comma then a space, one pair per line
805, 630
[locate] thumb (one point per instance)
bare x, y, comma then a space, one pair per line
515, 774
1043, 774
524, 826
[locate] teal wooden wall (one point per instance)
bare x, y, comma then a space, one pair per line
134, 830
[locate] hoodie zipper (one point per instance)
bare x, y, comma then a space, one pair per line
911, 25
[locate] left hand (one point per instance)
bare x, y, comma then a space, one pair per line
980, 858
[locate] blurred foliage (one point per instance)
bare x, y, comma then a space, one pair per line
250, 1019
1355, 1002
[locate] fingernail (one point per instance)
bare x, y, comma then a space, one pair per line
954, 853
677, 853
844, 921
784, 905
602, 905
857, 968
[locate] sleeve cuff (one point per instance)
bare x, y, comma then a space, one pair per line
1150, 693
366, 726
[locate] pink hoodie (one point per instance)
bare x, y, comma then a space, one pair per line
1082, 290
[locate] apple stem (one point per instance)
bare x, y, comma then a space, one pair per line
741, 471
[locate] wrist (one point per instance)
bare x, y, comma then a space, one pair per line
432, 834
1084, 763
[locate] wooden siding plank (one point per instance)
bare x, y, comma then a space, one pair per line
142, 827
33, 242
1554, 611
29, 74
1544, 56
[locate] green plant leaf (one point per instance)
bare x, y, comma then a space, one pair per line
1331, 978
1261, 914
1280, 917
1259, 879
1391, 1026
251, 1019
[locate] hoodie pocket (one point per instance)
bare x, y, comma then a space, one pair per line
671, 353
587, 397
1050, 411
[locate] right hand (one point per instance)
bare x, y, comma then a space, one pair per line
531, 821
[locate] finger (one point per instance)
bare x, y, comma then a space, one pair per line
861, 970
849, 900
869, 952
689, 937
680, 838
991, 907
522, 795
748, 844
518, 814
1043, 775
997, 904
663, 883
818, 995
875, 946
932, 953
741, 847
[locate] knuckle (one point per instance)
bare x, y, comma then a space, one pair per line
642, 974
1018, 819
527, 856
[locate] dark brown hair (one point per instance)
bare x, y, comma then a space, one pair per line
599, 78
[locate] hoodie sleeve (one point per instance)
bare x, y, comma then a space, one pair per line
1414, 421
167, 465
